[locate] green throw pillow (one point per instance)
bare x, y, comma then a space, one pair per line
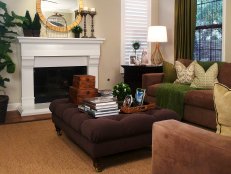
169, 72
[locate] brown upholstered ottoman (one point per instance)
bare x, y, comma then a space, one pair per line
106, 135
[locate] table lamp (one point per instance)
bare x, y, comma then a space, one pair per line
157, 34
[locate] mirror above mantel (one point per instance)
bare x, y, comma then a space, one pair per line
68, 9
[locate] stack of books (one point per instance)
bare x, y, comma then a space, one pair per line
105, 93
101, 106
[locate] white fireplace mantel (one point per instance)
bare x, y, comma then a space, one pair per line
54, 52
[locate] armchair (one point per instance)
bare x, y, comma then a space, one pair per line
181, 148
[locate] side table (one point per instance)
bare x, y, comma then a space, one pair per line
133, 74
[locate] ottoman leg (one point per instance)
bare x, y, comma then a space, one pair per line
97, 165
58, 130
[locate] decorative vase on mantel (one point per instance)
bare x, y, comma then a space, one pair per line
77, 30
27, 32
77, 35
36, 33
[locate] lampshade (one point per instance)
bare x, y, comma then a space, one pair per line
157, 34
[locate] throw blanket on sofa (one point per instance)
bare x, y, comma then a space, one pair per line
171, 96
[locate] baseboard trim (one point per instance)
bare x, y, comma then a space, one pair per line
13, 106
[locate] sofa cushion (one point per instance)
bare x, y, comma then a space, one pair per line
169, 72
200, 98
185, 74
205, 79
222, 99
224, 76
151, 90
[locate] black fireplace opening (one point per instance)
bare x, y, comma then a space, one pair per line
53, 82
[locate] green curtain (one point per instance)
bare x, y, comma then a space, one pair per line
185, 23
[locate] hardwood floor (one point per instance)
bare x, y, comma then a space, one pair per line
15, 117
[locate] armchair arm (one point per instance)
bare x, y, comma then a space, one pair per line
181, 148
151, 79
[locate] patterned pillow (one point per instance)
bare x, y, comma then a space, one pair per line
205, 79
185, 75
222, 102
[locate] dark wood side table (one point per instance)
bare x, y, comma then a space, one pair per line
133, 74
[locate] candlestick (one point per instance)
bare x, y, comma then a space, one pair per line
76, 13
92, 9
85, 8
84, 13
92, 14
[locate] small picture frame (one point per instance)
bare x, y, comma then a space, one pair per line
128, 101
132, 60
139, 96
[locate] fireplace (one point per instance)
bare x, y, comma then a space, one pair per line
38, 53
52, 83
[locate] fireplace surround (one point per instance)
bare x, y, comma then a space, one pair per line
53, 52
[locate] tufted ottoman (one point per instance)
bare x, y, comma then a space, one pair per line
106, 135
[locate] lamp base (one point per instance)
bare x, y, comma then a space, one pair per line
157, 57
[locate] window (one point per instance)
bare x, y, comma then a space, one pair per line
135, 23
208, 33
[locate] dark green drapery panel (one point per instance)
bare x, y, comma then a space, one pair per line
184, 33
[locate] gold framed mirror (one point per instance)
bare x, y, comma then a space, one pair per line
66, 8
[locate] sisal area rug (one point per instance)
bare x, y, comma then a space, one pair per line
35, 148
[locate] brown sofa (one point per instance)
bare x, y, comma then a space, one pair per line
179, 148
198, 104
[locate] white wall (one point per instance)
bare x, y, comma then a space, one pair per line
107, 25
166, 17
226, 31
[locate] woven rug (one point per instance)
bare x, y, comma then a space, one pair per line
35, 148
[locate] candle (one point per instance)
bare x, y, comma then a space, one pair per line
85, 8
93, 9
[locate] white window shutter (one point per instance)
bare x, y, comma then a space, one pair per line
135, 23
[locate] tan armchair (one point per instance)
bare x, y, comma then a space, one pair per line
179, 148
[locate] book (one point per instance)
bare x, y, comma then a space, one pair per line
106, 108
83, 108
103, 113
94, 112
100, 101
102, 107
106, 93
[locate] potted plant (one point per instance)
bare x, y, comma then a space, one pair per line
27, 25
121, 90
36, 26
7, 21
77, 30
136, 46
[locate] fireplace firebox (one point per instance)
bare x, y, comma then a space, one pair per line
53, 82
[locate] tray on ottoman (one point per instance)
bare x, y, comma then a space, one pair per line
129, 110
106, 135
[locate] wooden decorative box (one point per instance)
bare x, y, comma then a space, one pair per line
78, 95
83, 81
